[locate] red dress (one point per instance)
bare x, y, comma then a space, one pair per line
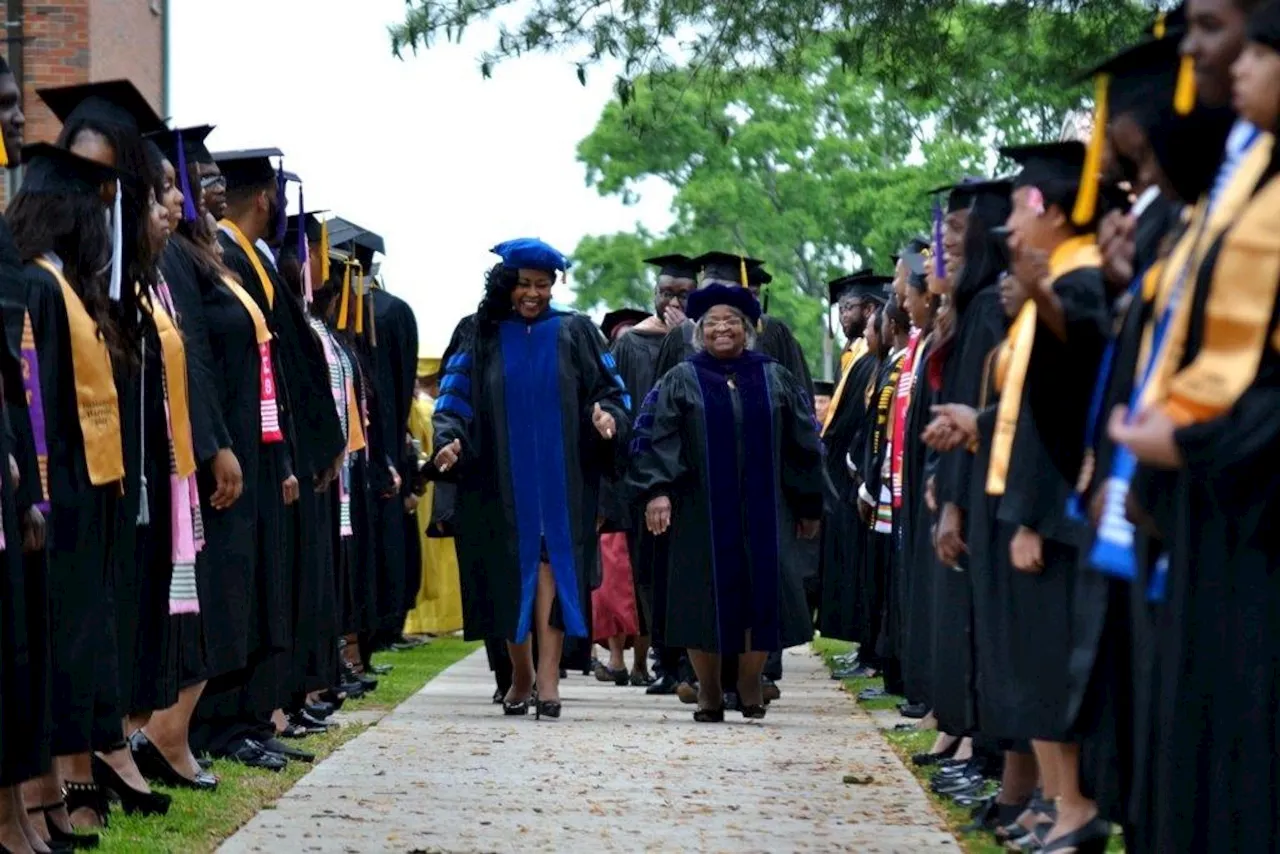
613, 605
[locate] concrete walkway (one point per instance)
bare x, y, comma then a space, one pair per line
619, 772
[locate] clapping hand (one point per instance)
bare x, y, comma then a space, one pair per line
447, 457
953, 425
603, 422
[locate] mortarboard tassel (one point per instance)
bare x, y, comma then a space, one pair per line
324, 252
1087, 199
373, 324
359, 299
117, 245
304, 249
346, 297
742, 261
4, 154
939, 260
282, 205
1159, 29
184, 182
1184, 95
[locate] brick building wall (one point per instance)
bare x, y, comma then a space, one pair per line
82, 41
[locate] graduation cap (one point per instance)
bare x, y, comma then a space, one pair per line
824, 388
1048, 164
960, 194
248, 168
1142, 78
621, 317
112, 102
1264, 26
675, 266
532, 254
314, 225
864, 284
343, 232
735, 296
53, 171
180, 147
919, 243
727, 267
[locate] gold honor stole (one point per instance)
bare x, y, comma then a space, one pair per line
1185, 261
270, 413
252, 251
1015, 357
174, 355
850, 358
97, 401
1242, 298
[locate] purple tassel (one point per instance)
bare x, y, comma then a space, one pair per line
939, 261
282, 205
302, 227
184, 183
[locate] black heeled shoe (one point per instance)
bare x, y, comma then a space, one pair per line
132, 801
517, 709
152, 765
709, 716
548, 709
62, 840
754, 713
87, 796
1090, 839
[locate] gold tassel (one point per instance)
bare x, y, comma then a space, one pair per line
346, 297
4, 154
1087, 199
742, 261
359, 299
1184, 96
1159, 29
324, 252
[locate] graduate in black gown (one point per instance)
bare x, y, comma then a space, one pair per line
61, 234
1045, 373
534, 491
1210, 419
843, 433
637, 354
161, 747
731, 508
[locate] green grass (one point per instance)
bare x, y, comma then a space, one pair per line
199, 822
907, 744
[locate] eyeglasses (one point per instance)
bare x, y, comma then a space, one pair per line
209, 181
678, 296
727, 323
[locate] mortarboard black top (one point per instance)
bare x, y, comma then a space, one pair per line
758, 276
249, 168
1047, 163
991, 200
112, 102
193, 147
621, 316
54, 171
959, 194
313, 227
824, 388
372, 242
864, 284
726, 266
675, 266
1264, 26
916, 244
917, 269
1141, 79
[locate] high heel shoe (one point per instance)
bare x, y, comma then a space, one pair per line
1090, 839
754, 713
548, 709
513, 710
60, 839
132, 800
709, 716
86, 796
152, 765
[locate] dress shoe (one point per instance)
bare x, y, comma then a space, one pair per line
152, 764
319, 710
252, 754
310, 724
403, 643
277, 746
958, 785
665, 685
205, 764
688, 693
380, 669
642, 680
334, 697
771, 690
354, 690
370, 683
872, 694
915, 711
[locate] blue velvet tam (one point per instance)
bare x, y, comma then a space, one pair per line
708, 297
530, 253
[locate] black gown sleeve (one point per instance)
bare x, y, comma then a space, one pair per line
661, 464
803, 477
600, 383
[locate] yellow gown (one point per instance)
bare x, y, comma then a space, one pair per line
438, 609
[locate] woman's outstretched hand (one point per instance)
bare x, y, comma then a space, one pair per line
603, 422
447, 457
657, 516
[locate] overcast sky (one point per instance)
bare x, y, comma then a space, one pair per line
441, 162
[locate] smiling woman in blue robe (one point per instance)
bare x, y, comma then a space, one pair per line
530, 414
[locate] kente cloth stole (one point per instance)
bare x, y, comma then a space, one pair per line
270, 412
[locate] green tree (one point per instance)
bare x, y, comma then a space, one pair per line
923, 47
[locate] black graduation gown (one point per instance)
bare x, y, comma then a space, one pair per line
520, 400
1214, 732
1153, 224
732, 576
1023, 621
775, 340
875, 552
394, 364
843, 532
24, 645
80, 538
358, 561
913, 522
940, 662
